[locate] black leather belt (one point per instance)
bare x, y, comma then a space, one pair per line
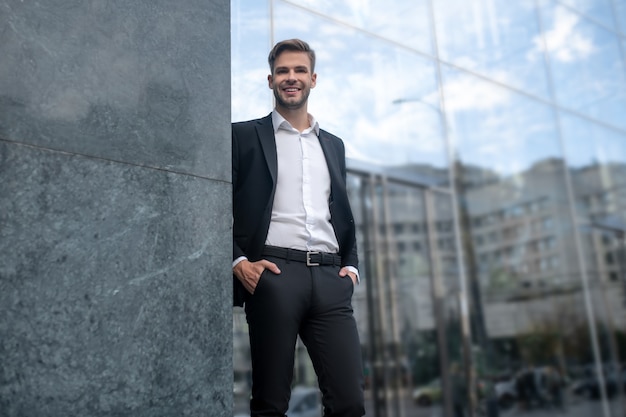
310, 258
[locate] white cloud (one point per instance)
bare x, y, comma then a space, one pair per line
564, 41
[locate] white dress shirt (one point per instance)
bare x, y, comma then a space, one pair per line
300, 213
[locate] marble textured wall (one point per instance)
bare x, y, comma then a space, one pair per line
115, 224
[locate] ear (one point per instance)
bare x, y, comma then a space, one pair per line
313, 80
270, 82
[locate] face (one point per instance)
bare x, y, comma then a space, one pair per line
292, 80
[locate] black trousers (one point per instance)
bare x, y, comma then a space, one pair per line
315, 303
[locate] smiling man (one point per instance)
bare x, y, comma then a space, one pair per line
294, 247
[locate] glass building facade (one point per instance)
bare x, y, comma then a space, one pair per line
486, 145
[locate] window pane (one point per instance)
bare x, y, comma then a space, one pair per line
404, 22
620, 8
523, 280
587, 66
495, 38
598, 10
598, 158
496, 130
250, 44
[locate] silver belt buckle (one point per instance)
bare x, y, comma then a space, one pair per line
308, 258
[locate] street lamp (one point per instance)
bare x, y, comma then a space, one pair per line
403, 100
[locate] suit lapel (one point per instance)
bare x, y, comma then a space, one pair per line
330, 154
265, 130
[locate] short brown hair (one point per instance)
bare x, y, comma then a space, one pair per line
296, 45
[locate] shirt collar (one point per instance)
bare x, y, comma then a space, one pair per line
279, 121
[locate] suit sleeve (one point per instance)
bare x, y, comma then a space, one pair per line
237, 252
351, 256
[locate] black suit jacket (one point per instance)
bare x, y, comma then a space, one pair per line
255, 167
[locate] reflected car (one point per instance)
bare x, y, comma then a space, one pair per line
506, 393
589, 385
428, 394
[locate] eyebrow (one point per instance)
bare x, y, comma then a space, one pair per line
298, 67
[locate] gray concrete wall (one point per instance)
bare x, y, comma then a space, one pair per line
115, 217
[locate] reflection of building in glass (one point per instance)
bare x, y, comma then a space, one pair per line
525, 246
522, 243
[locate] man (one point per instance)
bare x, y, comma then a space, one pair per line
294, 250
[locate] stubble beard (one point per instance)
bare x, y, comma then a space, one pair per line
291, 105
